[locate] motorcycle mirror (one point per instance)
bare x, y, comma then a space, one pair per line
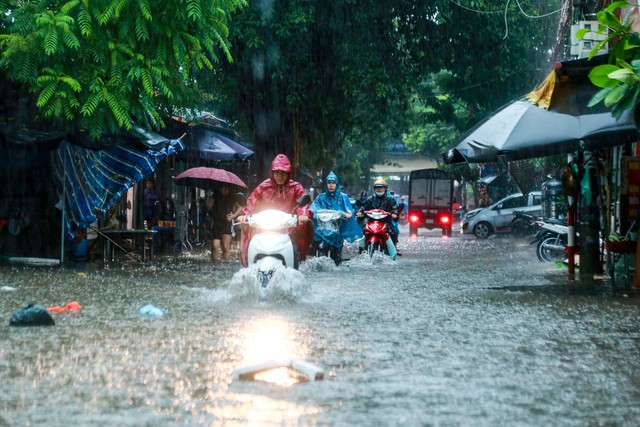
241, 199
304, 200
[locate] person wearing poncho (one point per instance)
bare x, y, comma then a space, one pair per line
334, 199
280, 192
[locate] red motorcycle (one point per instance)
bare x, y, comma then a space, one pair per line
376, 231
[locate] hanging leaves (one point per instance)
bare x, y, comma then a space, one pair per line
620, 82
121, 60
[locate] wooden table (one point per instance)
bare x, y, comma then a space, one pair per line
112, 238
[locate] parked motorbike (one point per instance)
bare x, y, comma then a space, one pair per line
327, 227
551, 240
376, 231
270, 246
524, 224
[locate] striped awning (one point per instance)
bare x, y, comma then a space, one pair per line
92, 181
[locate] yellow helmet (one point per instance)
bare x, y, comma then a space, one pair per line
380, 183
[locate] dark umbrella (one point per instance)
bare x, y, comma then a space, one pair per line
203, 177
522, 130
209, 145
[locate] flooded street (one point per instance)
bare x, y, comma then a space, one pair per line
455, 332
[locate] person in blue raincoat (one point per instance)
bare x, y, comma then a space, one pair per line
349, 229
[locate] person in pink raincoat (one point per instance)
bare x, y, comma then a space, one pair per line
279, 192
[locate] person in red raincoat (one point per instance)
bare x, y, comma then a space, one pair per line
279, 192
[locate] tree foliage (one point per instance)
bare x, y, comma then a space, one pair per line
326, 82
499, 54
330, 82
620, 81
99, 65
313, 76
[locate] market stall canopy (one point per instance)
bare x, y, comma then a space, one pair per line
92, 181
562, 122
208, 144
204, 177
137, 137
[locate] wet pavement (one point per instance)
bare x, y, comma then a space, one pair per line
457, 331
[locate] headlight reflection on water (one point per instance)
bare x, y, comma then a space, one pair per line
267, 401
272, 339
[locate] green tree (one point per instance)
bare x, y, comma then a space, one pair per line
313, 76
99, 65
326, 82
516, 45
620, 80
330, 82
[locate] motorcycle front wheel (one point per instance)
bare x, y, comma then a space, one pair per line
323, 251
548, 249
373, 248
319, 250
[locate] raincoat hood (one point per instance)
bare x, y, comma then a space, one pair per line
270, 195
332, 177
349, 230
280, 163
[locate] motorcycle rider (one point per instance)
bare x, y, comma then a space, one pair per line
280, 192
349, 230
395, 222
380, 199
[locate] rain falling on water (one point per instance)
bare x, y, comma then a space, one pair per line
453, 332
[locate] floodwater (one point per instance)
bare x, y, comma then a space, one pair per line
455, 332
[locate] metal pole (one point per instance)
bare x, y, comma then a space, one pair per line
589, 222
64, 204
571, 240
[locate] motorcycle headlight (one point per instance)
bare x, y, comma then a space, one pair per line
272, 219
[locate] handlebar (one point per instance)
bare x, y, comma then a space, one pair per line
378, 211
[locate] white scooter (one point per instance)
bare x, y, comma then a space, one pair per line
551, 240
271, 247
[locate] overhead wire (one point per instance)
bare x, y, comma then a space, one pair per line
505, 10
538, 16
475, 10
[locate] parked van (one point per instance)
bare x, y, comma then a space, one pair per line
430, 200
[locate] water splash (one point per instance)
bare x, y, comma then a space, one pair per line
286, 285
322, 263
365, 261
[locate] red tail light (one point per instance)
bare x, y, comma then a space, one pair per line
445, 220
414, 218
